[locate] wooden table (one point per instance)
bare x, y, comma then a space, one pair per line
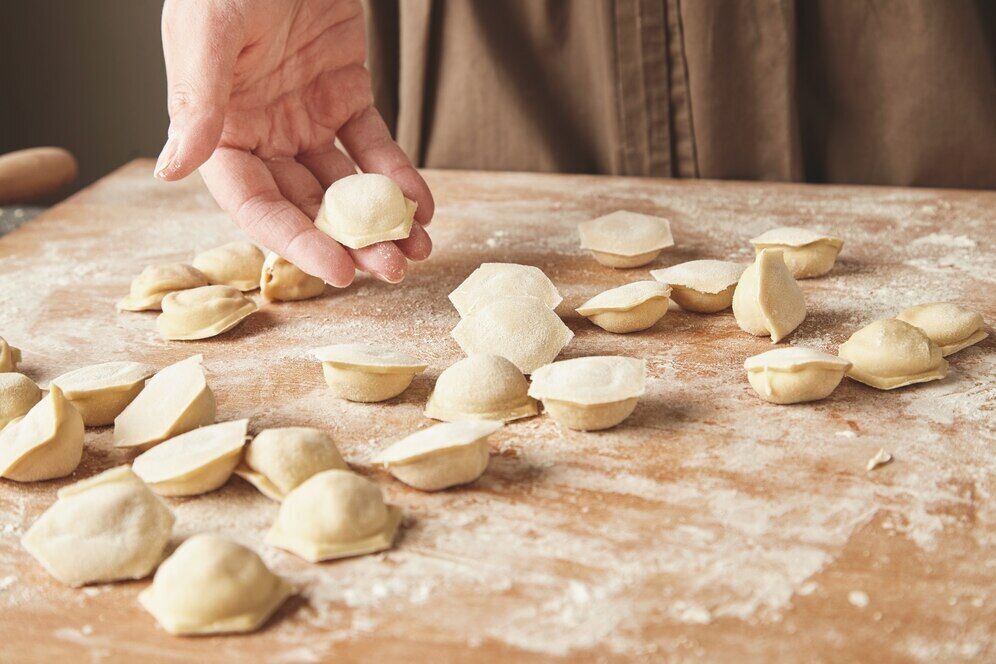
709, 526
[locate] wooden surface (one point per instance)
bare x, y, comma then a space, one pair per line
709, 526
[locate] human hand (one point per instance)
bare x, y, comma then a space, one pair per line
259, 91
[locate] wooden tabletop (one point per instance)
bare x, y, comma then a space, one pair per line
709, 526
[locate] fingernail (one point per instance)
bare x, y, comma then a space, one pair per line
167, 156
388, 279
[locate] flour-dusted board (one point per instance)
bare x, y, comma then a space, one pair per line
710, 525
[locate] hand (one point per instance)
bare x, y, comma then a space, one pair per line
259, 91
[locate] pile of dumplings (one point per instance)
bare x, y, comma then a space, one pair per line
116, 526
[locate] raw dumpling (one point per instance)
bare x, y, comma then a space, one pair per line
625, 239
590, 393
504, 279
18, 394
950, 326
236, 264
767, 300
522, 329
278, 460
100, 392
806, 253
202, 312
106, 528
481, 387
334, 514
630, 308
283, 281
195, 462
794, 374
156, 281
704, 286
9, 357
891, 353
211, 585
363, 209
45, 444
441, 456
174, 401
366, 372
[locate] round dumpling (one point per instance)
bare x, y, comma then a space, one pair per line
367, 373
794, 374
101, 391
283, 281
508, 279
767, 300
203, 312
236, 264
278, 460
441, 456
363, 209
703, 286
625, 239
590, 393
950, 326
481, 387
806, 253
156, 281
628, 308
18, 394
891, 353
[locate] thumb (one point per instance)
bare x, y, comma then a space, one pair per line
200, 43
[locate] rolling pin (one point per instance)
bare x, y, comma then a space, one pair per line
27, 175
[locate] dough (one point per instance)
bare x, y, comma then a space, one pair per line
283, 281
630, 308
195, 462
625, 239
236, 264
794, 374
18, 394
278, 460
174, 401
202, 312
109, 527
767, 299
506, 279
590, 393
891, 353
441, 456
334, 514
211, 585
481, 387
522, 329
101, 391
367, 372
156, 281
45, 444
950, 326
363, 209
806, 253
704, 286
9, 357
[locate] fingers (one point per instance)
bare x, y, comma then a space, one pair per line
200, 43
417, 246
329, 165
369, 143
247, 191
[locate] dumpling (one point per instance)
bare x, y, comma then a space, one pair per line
334, 514
505, 279
109, 527
45, 444
9, 357
521, 329
703, 286
211, 585
629, 308
363, 209
283, 281
794, 374
441, 456
277, 461
806, 253
891, 353
202, 312
366, 372
236, 264
625, 239
101, 391
950, 326
174, 401
481, 387
767, 300
195, 462
590, 393
156, 281
18, 394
